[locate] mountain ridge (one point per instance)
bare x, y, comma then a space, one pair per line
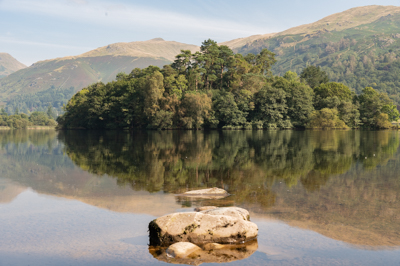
55, 76
368, 14
9, 64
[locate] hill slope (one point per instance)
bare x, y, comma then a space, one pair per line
9, 64
55, 81
359, 47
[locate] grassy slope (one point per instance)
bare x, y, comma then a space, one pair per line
366, 48
9, 64
101, 64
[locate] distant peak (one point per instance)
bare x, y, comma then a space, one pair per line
157, 40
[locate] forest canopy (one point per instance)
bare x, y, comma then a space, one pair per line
215, 88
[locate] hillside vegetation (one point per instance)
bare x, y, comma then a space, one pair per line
53, 82
9, 64
215, 88
359, 47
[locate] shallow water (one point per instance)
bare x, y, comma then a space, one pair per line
86, 198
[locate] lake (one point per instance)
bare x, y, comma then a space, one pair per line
87, 197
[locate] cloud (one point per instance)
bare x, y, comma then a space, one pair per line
42, 44
129, 16
79, 2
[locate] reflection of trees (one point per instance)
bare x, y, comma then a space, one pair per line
247, 163
32, 146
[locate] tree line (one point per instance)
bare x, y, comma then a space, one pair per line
217, 89
20, 120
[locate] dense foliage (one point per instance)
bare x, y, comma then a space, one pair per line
55, 97
21, 120
215, 88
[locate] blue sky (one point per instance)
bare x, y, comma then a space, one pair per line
33, 30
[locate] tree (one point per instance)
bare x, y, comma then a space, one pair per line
299, 98
314, 76
325, 93
50, 112
196, 110
372, 104
325, 118
271, 108
227, 111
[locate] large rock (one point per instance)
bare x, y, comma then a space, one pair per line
201, 228
211, 253
236, 212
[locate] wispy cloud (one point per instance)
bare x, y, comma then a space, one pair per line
127, 16
42, 44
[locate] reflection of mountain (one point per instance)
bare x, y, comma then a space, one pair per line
8, 191
342, 184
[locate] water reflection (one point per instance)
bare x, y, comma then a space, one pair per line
247, 162
209, 254
342, 184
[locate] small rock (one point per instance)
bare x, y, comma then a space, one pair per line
207, 191
204, 208
182, 249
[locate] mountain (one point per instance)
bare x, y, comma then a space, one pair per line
359, 47
55, 81
9, 64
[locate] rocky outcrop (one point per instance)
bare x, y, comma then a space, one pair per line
219, 225
188, 253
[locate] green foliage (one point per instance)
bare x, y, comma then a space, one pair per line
214, 88
372, 105
326, 119
22, 120
364, 56
314, 76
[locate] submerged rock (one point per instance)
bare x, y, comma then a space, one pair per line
210, 253
202, 228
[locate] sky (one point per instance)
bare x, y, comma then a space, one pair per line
34, 30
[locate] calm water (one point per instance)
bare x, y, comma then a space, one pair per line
86, 198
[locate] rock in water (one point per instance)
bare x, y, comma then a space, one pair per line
201, 228
182, 250
207, 192
204, 208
